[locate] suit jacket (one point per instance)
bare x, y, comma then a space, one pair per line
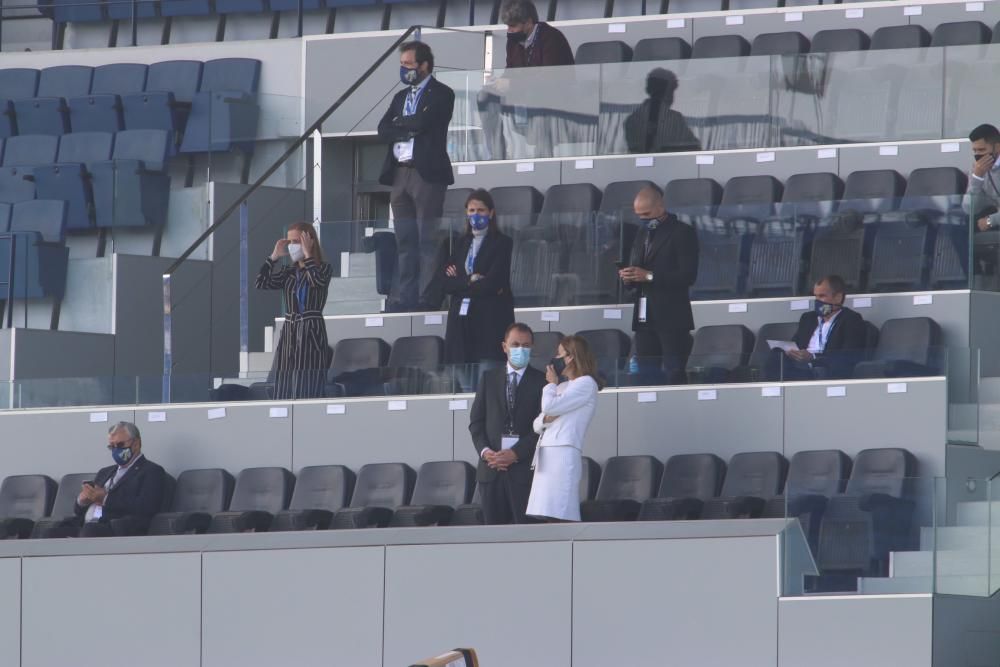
428, 128
574, 406
673, 258
669, 132
137, 496
550, 49
477, 336
489, 414
846, 345
983, 198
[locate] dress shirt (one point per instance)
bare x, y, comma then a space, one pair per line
506, 379
821, 336
95, 511
403, 150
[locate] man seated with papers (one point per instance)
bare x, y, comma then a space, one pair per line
830, 339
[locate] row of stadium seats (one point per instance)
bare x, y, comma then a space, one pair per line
38, 231
206, 106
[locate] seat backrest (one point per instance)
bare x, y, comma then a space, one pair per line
65, 81
692, 196
596, 53
821, 472
239, 74
770, 331
85, 147
424, 352
544, 348
119, 78
383, 485
721, 346
323, 488
206, 490
571, 198
873, 190
354, 354
931, 181
69, 489
750, 195
444, 483
516, 205
26, 496
813, 194
900, 37
18, 83
267, 489
721, 46
619, 197
5, 210
883, 470
841, 39
630, 478
607, 345
779, 43
27, 150
678, 6
961, 32
692, 476
454, 202
45, 216
590, 478
149, 146
661, 48
180, 77
913, 339
756, 474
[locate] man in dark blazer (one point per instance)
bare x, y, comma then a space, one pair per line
663, 266
123, 497
531, 43
831, 338
417, 167
507, 401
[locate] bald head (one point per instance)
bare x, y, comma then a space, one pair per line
648, 204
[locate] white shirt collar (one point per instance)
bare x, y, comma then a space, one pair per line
423, 84
531, 36
519, 371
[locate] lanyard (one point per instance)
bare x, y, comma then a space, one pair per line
301, 290
470, 259
413, 100
822, 343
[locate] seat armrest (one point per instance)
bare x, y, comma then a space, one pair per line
255, 521
874, 502
17, 528
811, 504
747, 507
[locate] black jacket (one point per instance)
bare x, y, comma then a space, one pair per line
478, 335
550, 49
429, 130
136, 497
844, 349
673, 259
489, 414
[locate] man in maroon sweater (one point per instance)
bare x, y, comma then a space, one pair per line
529, 42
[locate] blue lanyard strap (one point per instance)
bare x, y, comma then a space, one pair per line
413, 100
301, 289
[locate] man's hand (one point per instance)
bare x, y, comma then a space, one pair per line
633, 274
98, 495
983, 224
85, 495
801, 355
982, 166
503, 459
451, 271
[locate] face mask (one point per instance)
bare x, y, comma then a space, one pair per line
479, 222
517, 37
519, 356
824, 309
295, 252
121, 455
410, 77
558, 365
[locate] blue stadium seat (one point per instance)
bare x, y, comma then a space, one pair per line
47, 113
39, 227
69, 178
224, 112
16, 184
101, 110
74, 11
15, 83
241, 6
5, 209
122, 9
185, 8
132, 188
29, 150
293, 5
165, 104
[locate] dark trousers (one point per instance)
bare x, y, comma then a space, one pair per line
780, 366
671, 346
505, 499
417, 207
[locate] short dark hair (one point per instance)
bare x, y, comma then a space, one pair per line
835, 282
421, 52
986, 132
519, 326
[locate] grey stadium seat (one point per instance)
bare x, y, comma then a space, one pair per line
907, 347
750, 197
516, 206
69, 178
441, 487
320, 491
469, 514
24, 499
354, 366
544, 348
610, 348
101, 110
661, 48
590, 479
751, 480
935, 191
412, 362
132, 188
841, 39
260, 493
197, 495
618, 199
721, 46
753, 371
627, 481
380, 489
15, 83
960, 33
813, 478
688, 481
570, 202
679, 6
30, 150
691, 198
779, 44
598, 53
63, 505
718, 350
900, 37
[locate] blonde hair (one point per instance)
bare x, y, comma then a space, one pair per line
583, 359
307, 229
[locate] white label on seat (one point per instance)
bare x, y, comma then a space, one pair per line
434, 320
612, 313
278, 413
460, 404
799, 304
646, 397
950, 147
793, 17
770, 392
525, 167
707, 394
765, 157
645, 161
923, 299
861, 302
704, 159
888, 150
369, 231
217, 413
836, 392
616, 27
826, 153
396, 406
466, 170
896, 388
737, 308
374, 322
913, 11
97, 417
734, 20
336, 409
973, 6
156, 416
583, 164
550, 316
854, 14
675, 23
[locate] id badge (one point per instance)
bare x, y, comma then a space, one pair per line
98, 512
508, 441
463, 310
642, 309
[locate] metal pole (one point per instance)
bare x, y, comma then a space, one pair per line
168, 356
244, 288
10, 284
317, 143
300, 10
472, 12
135, 22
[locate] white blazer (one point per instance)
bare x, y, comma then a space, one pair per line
574, 403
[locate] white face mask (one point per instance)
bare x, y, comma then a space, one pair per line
295, 252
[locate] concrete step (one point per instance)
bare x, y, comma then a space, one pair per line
948, 564
361, 264
979, 513
972, 585
959, 538
354, 307
259, 362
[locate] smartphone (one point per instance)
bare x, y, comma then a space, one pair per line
88, 484
620, 265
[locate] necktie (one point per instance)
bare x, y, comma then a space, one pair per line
511, 388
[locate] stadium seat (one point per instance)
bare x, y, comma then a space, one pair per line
166, 102
5, 209
750, 198
813, 478
169, 8
101, 110
39, 230
24, 499
751, 480
63, 506
934, 192
320, 491
123, 10
685, 6
517, 206
735, 5
779, 44
717, 352
721, 46
627, 481
661, 48
241, 6
30, 150
17, 184
469, 514
841, 39
132, 189
69, 177
692, 198
688, 481
544, 348
224, 110
907, 347
533, 265
413, 364
753, 371
354, 366
71, 11
16, 83
617, 201
873, 192
586, 242
197, 496
572, 203
260, 493
380, 489
900, 37
47, 113
441, 487
961, 33
610, 347
590, 478
599, 53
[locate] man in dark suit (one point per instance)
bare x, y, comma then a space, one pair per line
417, 167
831, 338
507, 401
123, 497
663, 266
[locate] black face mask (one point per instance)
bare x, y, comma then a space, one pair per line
517, 37
558, 365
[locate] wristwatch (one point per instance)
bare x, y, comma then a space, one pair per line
649, 276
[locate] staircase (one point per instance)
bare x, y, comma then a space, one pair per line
355, 294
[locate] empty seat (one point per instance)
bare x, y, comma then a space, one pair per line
661, 48
38, 229
900, 37
123, 11
16, 83
24, 499
718, 350
260, 493
544, 348
813, 478
610, 347
355, 365
750, 197
688, 481
224, 111
679, 6
47, 113
29, 150
101, 110
934, 192
533, 265
961, 32
198, 495
721, 46
842, 39
441, 487
132, 189
753, 371
516, 205
692, 198
412, 362
597, 53
590, 478
320, 491
751, 480
618, 199
166, 102
469, 514
808, 197
69, 178
16, 184
570, 202
872, 192
63, 506
779, 44
907, 347
241, 6
627, 481
380, 489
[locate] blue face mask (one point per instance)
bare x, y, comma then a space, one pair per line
649, 223
824, 309
409, 77
479, 222
520, 356
121, 455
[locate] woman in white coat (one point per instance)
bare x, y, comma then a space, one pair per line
567, 409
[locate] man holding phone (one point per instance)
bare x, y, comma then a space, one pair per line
983, 200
